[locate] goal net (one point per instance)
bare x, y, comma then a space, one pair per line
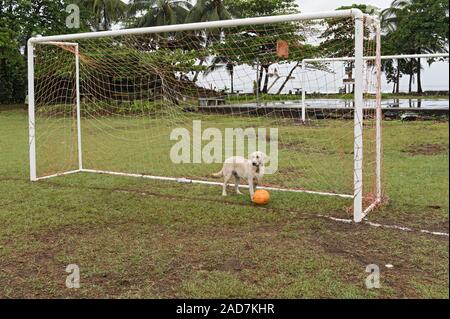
172, 103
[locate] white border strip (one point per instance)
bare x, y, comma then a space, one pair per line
193, 181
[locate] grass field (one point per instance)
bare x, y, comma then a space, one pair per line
148, 239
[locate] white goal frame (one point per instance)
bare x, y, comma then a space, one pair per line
359, 213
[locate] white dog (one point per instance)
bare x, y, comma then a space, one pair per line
250, 169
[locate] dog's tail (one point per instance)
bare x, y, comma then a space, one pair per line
219, 174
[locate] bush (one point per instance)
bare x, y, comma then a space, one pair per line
12, 69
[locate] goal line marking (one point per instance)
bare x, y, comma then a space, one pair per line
396, 227
194, 181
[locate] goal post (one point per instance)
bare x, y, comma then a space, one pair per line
375, 61
32, 108
106, 102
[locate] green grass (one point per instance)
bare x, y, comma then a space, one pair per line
150, 239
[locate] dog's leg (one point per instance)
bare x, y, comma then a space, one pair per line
225, 184
236, 185
251, 188
255, 183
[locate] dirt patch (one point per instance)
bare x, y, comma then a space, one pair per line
363, 247
425, 149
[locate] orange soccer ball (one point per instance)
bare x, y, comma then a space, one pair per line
261, 197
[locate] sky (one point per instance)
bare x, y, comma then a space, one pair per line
322, 5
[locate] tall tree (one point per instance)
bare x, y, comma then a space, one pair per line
12, 69
338, 39
105, 12
19, 21
208, 10
148, 13
222, 62
416, 27
258, 8
261, 43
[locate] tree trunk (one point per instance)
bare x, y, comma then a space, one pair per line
266, 80
261, 73
198, 72
419, 76
232, 80
411, 75
288, 78
397, 82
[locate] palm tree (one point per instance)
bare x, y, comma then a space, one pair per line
159, 12
208, 10
391, 19
222, 63
105, 12
406, 21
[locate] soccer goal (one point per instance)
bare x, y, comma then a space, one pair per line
173, 102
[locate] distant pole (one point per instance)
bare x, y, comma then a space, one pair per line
257, 82
303, 91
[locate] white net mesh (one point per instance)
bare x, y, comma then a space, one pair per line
136, 90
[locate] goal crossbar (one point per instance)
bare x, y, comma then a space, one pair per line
355, 13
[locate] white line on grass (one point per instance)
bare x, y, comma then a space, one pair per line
405, 229
346, 221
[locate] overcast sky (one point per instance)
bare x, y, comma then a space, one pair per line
321, 5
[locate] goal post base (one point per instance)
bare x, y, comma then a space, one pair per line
57, 175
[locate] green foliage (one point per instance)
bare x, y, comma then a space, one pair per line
30, 18
20, 20
157, 12
417, 26
208, 10
339, 35
257, 8
103, 13
12, 69
414, 27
